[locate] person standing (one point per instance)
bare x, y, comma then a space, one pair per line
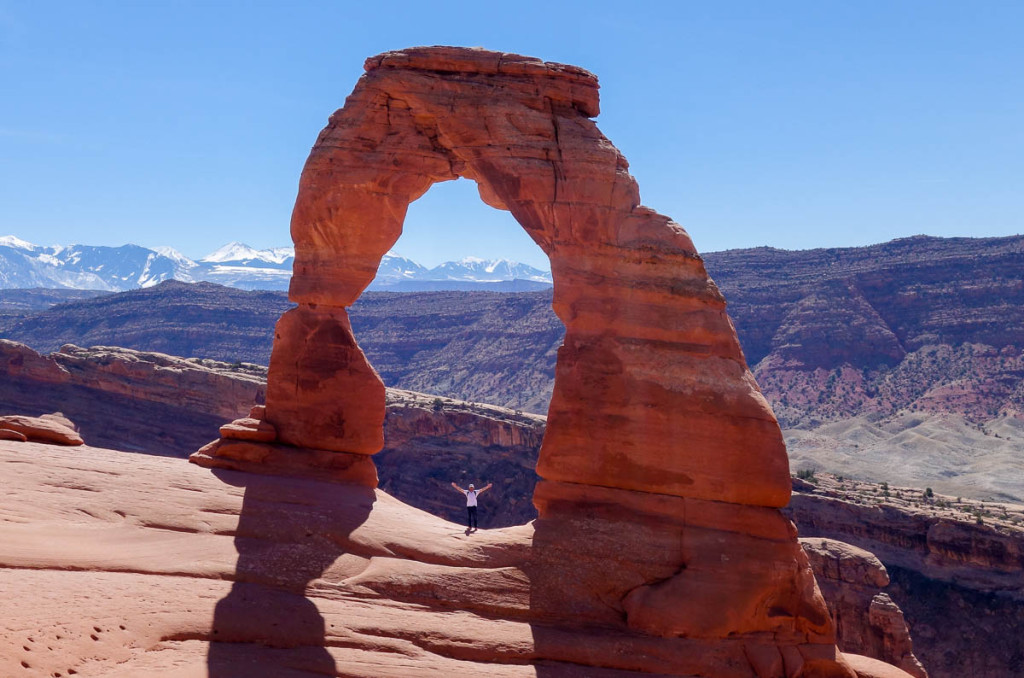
471, 495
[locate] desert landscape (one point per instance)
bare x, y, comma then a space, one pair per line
205, 481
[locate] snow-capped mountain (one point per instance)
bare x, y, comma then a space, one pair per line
23, 264
26, 265
238, 265
394, 268
240, 254
487, 270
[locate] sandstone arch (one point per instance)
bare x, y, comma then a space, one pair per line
660, 457
651, 389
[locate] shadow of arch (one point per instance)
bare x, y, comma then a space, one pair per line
279, 555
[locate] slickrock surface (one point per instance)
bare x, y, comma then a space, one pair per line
663, 466
118, 566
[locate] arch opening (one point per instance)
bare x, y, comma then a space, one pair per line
469, 361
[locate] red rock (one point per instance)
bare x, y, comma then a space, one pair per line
249, 429
867, 621
664, 466
322, 393
202, 385
8, 434
48, 428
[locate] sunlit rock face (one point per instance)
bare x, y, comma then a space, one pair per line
663, 466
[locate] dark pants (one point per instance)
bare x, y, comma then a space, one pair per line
472, 515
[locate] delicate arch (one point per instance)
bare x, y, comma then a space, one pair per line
651, 391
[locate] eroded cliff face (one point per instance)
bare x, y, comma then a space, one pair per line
129, 400
957, 567
867, 621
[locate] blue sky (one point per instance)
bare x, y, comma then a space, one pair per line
789, 124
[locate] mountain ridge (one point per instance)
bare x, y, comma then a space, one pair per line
118, 269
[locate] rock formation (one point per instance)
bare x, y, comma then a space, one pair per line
54, 428
867, 621
957, 568
663, 466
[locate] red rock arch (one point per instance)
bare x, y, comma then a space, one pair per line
660, 453
651, 393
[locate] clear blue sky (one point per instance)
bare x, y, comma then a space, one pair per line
790, 124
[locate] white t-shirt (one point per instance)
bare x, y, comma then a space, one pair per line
471, 497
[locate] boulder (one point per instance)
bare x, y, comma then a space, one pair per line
48, 428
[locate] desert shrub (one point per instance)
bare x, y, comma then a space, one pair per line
928, 494
805, 474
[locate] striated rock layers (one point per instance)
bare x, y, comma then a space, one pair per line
126, 399
54, 428
662, 466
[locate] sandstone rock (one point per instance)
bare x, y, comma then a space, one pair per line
647, 332
48, 428
249, 428
130, 400
190, 383
867, 621
659, 451
191, 574
7, 434
958, 583
321, 391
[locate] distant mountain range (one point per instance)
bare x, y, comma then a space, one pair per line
25, 265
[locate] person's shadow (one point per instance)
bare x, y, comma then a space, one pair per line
289, 533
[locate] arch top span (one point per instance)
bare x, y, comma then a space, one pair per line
520, 127
559, 82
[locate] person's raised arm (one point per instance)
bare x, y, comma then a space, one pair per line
486, 487
458, 488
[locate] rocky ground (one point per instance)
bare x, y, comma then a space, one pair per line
120, 565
